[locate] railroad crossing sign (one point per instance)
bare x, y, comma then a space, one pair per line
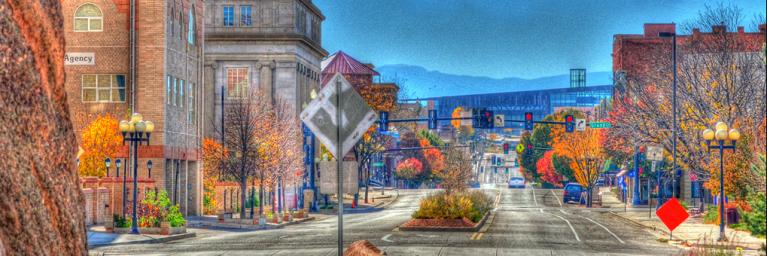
654, 153
580, 124
356, 116
499, 121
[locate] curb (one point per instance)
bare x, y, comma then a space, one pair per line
637, 222
250, 227
149, 241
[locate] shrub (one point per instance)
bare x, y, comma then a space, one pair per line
175, 217
472, 205
754, 220
121, 222
712, 215
156, 208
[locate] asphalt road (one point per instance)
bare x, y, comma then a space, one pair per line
527, 221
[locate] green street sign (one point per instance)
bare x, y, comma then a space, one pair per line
600, 125
377, 164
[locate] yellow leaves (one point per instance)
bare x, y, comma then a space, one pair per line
456, 114
100, 140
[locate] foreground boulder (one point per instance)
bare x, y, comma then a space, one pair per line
363, 248
40, 201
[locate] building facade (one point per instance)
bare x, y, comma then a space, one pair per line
269, 45
158, 74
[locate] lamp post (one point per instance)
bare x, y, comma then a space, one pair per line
722, 136
149, 167
135, 131
107, 162
673, 107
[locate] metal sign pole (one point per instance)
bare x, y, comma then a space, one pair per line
339, 168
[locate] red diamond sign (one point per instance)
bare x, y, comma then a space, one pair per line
672, 214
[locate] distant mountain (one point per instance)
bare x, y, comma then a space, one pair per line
421, 83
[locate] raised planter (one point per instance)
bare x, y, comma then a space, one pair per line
439, 225
109, 225
154, 230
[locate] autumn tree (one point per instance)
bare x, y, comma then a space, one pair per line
409, 168
101, 139
457, 172
213, 155
546, 170
586, 151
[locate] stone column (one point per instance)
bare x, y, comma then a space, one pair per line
266, 83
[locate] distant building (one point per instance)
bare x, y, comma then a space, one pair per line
165, 90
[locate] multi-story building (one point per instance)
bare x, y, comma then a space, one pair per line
635, 61
269, 45
154, 69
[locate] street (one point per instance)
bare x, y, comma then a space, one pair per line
529, 221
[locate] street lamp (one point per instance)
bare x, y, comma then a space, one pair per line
149, 167
721, 136
135, 131
107, 162
118, 162
673, 107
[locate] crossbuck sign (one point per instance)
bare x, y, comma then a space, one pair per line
356, 116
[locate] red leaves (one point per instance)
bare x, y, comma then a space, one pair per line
546, 171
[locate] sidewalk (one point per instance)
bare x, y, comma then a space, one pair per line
691, 231
97, 236
377, 201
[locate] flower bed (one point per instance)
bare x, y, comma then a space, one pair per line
464, 211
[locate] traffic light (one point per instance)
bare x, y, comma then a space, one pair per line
476, 120
529, 149
505, 148
507, 170
487, 119
529, 121
432, 119
569, 123
493, 160
383, 122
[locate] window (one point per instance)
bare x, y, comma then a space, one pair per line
103, 88
167, 93
246, 17
181, 25
181, 93
88, 18
190, 33
191, 102
228, 16
175, 90
236, 82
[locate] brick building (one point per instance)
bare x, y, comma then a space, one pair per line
164, 84
636, 61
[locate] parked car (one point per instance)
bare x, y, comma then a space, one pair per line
600, 182
572, 193
517, 182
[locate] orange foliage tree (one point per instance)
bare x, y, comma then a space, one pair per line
546, 171
100, 139
586, 150
212, 155
410, 168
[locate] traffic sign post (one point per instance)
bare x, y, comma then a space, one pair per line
499, 121
352, 119
672, 214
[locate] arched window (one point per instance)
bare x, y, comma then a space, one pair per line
88, 18
190, 33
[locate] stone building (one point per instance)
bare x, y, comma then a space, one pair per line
159, 74
268, 45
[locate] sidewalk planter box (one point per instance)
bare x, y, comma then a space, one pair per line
165, 228
109, 225
416, 227
153, 230
121, 230
286, 217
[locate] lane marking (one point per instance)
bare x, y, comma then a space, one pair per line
571, 226
480, 236
536, 201
563, 211
473, 236
608, 231
555, 196
386, 238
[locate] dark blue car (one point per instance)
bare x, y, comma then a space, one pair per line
572, 193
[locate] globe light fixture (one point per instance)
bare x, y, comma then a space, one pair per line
725, 139
136, 132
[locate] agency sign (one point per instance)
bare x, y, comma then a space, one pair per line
79, 58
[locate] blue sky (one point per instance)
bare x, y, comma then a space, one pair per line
496, 38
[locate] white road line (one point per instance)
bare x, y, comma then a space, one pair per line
571, 226
536, 201
608, 231
555, 196
563, 211
386, 238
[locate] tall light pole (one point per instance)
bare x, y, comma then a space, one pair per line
135, 131
721, 136
673, 107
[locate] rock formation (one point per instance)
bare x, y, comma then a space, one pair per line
41, 205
